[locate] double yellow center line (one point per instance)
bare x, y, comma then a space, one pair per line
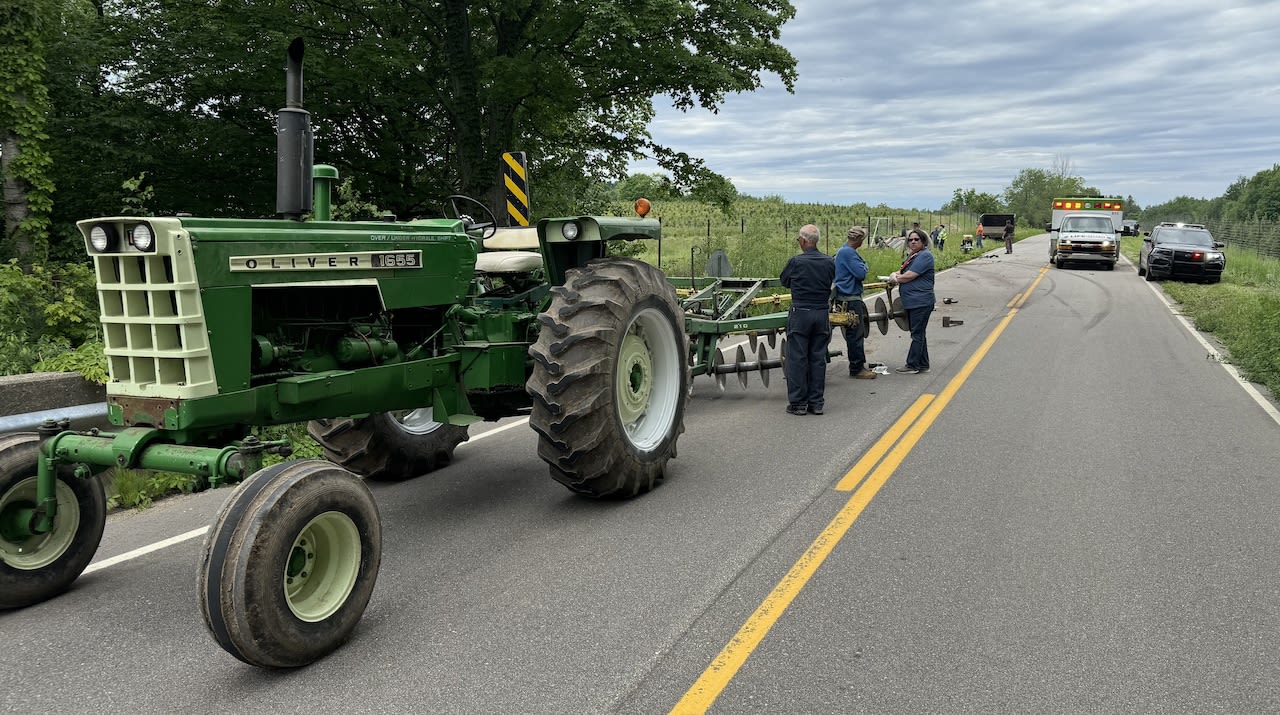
896, 443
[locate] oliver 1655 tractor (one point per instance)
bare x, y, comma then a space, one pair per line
388, 338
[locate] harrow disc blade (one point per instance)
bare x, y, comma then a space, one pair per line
773, 339
881, 316
761, 355
900, 315
740, 358
751, 340
716, 361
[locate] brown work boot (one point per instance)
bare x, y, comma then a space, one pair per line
864, 374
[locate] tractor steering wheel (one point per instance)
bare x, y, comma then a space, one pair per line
486, 228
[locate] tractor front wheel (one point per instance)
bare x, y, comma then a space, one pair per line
610, 378
290, 563
35, 567
388, 446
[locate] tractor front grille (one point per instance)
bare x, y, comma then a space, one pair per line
155, 337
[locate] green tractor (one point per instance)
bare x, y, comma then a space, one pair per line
388, 338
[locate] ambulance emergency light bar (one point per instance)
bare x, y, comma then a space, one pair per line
1088, 204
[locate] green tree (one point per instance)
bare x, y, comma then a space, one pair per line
973, 201
418, 100
1181, 208
24, 107
1257, 200
655, 187
102, 135
1030, 195
715, 190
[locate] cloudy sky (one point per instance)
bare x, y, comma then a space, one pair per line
903, 101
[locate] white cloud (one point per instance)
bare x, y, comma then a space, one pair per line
903, 102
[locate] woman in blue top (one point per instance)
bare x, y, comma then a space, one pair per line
915, 281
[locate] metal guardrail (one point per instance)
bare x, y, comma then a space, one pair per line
82, 417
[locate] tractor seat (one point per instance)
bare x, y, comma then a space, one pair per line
521, 238
508, 261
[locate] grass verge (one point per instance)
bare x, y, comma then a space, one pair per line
1242, 312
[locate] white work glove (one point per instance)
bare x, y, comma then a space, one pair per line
893, 278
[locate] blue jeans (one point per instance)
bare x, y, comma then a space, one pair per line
917, 321
808, 335
854, 337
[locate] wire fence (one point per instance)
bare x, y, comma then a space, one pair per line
834, 225
760, 245
1259, 237
1262, 238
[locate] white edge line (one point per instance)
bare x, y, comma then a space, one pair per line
195, 533
1218, 357
129, 555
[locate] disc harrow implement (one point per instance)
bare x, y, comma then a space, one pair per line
730, 321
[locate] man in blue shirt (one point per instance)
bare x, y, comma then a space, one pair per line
809, 277
851, 270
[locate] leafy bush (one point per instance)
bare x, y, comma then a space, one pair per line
88, 360
303, 446
45, 313
137, 489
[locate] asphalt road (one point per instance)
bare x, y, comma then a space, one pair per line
1081, 518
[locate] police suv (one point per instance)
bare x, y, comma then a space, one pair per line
1181, 250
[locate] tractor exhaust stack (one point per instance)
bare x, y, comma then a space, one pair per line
293, 143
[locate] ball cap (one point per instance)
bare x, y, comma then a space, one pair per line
855, 233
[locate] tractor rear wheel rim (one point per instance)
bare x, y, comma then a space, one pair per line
419, 421
648, 379
40, 550
322, 567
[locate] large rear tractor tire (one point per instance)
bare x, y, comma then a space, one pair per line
388, 446
290, 563
34, 568
610, 378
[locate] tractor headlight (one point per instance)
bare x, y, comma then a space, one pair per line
142, 238
103, 238
570, 231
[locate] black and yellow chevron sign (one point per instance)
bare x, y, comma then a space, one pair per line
516, 179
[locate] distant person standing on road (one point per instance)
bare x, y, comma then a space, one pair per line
978, 233
851, 270
1008, 237
809, 276
916, 291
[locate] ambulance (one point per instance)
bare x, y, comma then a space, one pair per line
1085, 228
